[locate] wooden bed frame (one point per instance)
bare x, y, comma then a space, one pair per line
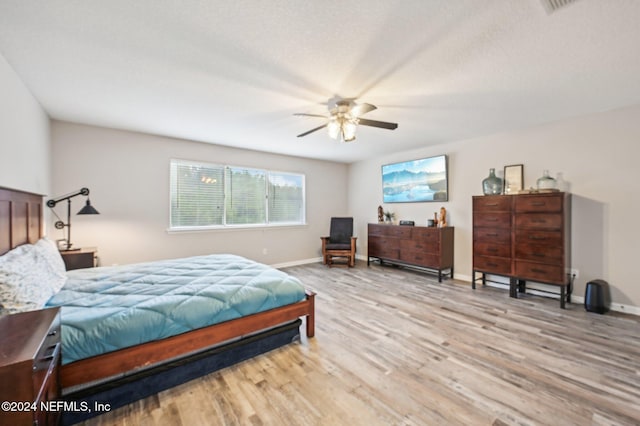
21, 222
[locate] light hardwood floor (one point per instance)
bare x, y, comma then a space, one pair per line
396, 347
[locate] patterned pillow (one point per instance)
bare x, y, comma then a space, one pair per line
27, 279
50, 253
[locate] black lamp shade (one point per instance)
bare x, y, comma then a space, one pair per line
88, 209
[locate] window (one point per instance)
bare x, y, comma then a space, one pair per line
209, 195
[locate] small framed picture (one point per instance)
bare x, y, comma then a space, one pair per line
513, 178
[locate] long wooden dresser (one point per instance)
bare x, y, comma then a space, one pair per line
424, 247
524, 237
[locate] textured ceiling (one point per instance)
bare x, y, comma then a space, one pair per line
234, 72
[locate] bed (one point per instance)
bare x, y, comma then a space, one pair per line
245, 304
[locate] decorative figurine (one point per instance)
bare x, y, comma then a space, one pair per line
380, 214
442, 220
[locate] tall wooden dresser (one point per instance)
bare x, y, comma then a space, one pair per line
524, 237
418, 246
29, 364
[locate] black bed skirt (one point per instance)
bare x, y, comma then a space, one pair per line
122, 391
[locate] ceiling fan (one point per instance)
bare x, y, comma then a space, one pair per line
343, 119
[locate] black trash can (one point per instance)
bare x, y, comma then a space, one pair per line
597, 297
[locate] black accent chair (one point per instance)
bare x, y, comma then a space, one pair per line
340, 243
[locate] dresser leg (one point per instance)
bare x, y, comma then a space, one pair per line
562, 296
522, 286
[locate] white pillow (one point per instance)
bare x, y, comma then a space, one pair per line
27, 279
49, 251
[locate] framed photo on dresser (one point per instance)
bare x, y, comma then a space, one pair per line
513, 179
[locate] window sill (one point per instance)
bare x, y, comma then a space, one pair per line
231, 228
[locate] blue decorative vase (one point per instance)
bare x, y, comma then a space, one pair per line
492, 185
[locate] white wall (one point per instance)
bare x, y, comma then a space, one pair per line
24, 136
128, 176
598, 158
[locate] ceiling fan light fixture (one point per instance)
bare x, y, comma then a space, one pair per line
333, 128
342, 127
349, 130
344, 118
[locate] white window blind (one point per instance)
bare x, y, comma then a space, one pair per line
286, 198
246, 195
209, 195
197, 194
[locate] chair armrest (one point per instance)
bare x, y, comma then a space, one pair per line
325, 240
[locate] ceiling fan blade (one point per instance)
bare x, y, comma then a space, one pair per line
362, 109
312, 130
375, 123
300, 114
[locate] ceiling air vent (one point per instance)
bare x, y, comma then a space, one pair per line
553, 5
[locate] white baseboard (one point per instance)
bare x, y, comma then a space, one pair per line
297, 263
618, 307
575, 300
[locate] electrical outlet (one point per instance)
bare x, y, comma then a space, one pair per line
575, 273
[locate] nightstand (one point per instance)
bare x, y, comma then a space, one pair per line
80, 258
29, 366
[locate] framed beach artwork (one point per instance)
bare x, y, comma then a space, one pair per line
416, 181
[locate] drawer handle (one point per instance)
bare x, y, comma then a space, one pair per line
538, 203
538, 221
492, 235
492, 249
493, 265
537, 237
538, 271
539, 255
491, 204
492, 219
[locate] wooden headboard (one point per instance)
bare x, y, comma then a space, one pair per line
20, 218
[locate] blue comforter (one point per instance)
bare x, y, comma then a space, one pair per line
110, 308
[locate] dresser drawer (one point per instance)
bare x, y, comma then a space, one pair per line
383, 243
495, 265
44, 369
390, 231
492, 220
425, 246
551, 255
491, 203
496, 236
48, 355
492, 249
420, 258
539, 220
383, 247
425, 234
525, 237
552, 274
539, 203
377, 230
